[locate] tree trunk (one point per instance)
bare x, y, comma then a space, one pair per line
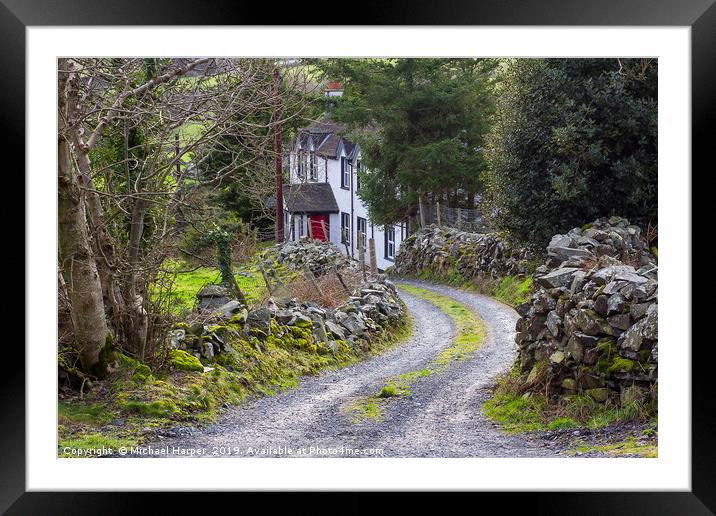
102, 247
75, 253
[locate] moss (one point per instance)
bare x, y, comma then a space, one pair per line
512, 290
518, 411
628, 447
621, 365
562, 423
184, 361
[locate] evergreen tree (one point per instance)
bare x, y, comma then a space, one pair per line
421, 124
574, 139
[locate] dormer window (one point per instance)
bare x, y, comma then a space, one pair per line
345, 173
301, 168
313, 166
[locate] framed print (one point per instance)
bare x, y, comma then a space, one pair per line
416, 250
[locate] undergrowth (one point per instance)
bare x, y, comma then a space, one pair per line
129, 407
519, 411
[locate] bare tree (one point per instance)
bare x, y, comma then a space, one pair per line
120, 120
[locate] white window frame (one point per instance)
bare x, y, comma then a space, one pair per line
300, 165
346, 174
346, 224
390, 243
364, 232
312, 166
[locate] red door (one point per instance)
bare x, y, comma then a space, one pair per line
319, 226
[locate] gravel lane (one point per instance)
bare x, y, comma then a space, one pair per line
441, 418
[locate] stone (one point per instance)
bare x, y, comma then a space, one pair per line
260, 318
616, 304
599, 394
557, 278
176, 339
575, 349
212, 296
335, 329
197, 329
619, 321
557, 357
553, 323
631, 394
283, 316
353, 324
601, 305
569, 384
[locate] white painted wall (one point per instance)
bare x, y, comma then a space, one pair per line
330, 169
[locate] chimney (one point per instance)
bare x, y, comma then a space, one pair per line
334, 89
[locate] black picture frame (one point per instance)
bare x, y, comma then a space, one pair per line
700, 15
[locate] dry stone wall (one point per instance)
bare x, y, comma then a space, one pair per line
592, 323
372, 310
455, 256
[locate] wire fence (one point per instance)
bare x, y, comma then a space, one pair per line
459, 218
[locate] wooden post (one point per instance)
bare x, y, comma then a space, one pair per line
266, 279
310, 227
437, 211
361, 254
325, 231
371, 250
312, 278
345, 242
459, 218
421, 207
340, 278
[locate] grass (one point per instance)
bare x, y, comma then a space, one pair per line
127, 408
519, 412
512, 290
182, 291
629, 447
470, 333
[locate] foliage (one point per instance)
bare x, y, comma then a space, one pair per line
421, 125
519, 411
574, 140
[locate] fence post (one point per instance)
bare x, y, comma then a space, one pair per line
312, 278
344, 232
325, 231
310, 227
340, 278
361, 254
266, 279
371, 250
421, 207
459, 218
437, 211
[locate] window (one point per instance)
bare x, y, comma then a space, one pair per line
345, 228
300, 226
301, 170
361, 232
359, 168
345, 173
390, 243
313, 166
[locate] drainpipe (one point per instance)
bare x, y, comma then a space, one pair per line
350, 163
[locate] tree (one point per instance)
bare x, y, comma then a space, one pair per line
421, 125
123, 178
574, 139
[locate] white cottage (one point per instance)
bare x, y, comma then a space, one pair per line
323, 192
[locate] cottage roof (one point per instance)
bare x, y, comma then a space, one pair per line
310, 197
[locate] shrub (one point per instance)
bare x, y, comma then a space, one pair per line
574, 140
